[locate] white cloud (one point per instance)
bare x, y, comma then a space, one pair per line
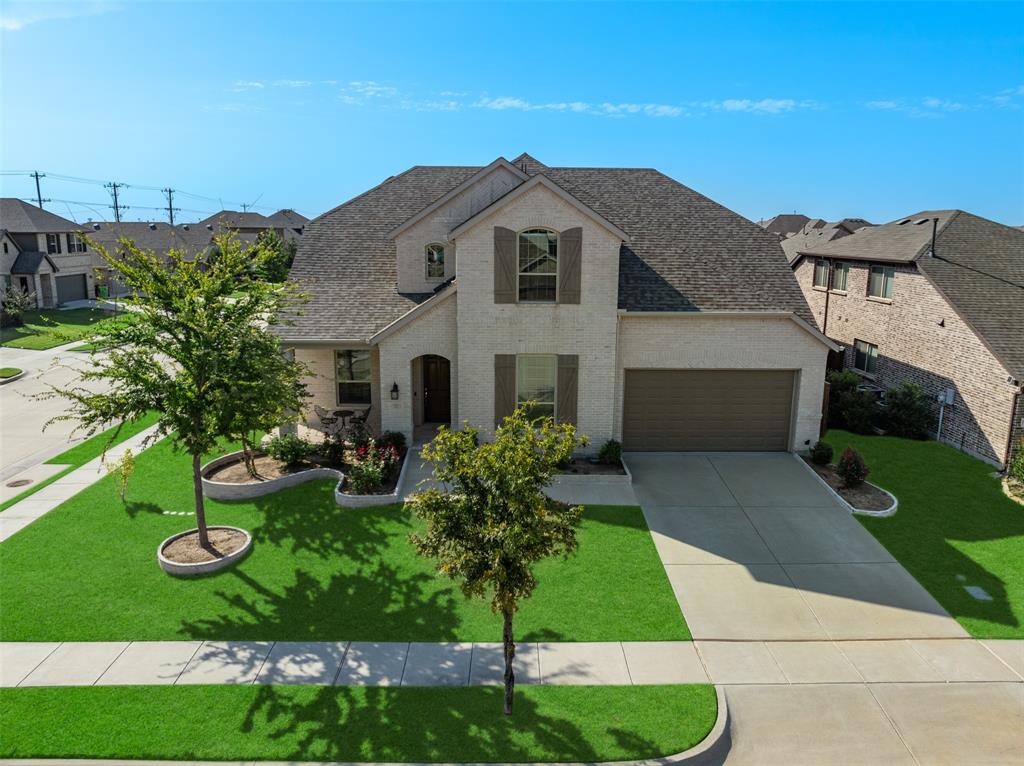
883, 105
244, 85
371, 89
758, 106
15, 16
292, 83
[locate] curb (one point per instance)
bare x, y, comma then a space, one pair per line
5, 381
891, 510
346, 500
223, 490
708, 752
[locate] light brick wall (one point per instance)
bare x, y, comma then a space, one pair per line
727, 343
433, 332
587, 329
913, 346
322, 385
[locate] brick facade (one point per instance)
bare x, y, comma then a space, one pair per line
921, 339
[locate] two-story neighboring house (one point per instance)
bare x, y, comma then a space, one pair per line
614, 298
935, 298
43, 254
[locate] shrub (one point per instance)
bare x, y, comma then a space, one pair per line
332, 449
909, 412
859, 411
1017, 463
394, 439
15, 303
288, 448
821, 453
366, 478
851, 467
610, 452
839, 382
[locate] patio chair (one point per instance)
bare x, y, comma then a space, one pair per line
327, 419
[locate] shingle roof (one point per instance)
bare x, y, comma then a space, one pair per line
815, 234
786, 223
29, 261
978, 266
687, 253
158, 237
288, 218
234, 219
19, 217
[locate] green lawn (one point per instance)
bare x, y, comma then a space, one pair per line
87, 571
954, 527
8, 372
85, 451
53, 327
307, 723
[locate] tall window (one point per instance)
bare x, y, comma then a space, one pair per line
352, 372
535, 381
435, 261
52, 243
880, 281
865, 356
821, 273
538, 266
840, 271
75, 244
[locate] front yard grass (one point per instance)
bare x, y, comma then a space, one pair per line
53, 327
954, 527
87, 571
9, 372
550, 723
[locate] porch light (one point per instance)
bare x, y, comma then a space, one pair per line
394, 390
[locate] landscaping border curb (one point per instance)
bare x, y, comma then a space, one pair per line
346, 500
878, 514
19, 376
710, 750
223, 490
591, 479
202, 567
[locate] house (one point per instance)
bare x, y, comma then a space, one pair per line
614, 298
287, 224
817, 232
288, 219
785, 224
936, 298
43, 254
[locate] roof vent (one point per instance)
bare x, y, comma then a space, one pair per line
919, 221
152, 227
95, 227
905, 220
185, 227
209, 226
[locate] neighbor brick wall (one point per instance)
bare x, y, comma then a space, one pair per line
728, 342
912, 346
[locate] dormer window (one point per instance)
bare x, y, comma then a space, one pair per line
538, 266
435, 261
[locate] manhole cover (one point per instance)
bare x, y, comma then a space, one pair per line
19, 483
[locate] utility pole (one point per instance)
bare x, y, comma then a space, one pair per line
170, 204
245, 208
114, 186
39, 195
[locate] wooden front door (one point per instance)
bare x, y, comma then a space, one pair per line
437, 392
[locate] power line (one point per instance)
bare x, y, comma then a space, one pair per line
170, 204
113, 186
39, 195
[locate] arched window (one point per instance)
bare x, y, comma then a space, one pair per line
435, 261
538, 266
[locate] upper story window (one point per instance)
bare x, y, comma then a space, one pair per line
821, 273
538, 266
435, 261
352, 373
52, 243
880, 281
75, 244
840, 273
865, 356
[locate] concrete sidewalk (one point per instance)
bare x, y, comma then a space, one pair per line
38, 504
459, 664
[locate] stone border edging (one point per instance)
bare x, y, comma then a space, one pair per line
346, 500
179, 569
1005, 483
19, 376
224, 490
710, 750
878, 514
590, 479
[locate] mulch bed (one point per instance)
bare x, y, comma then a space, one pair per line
584, 467
186, 549
266, 467
863, 497
389, 485
1012, 488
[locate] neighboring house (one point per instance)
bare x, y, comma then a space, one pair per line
289, 219
614, 298
951, 320
43, 254
817, 232
286, 223
786, 224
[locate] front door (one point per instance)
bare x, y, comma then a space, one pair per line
437, 393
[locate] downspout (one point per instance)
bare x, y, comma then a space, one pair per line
1013, 426
828, 292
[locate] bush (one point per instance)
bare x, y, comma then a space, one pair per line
909, 412
839, 383
366, 478
288, 448
852, 468
1017, 463
849, 407
821, 453
610, 452
394, 439
332, 449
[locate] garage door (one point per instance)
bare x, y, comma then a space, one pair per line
707, 410
71, 288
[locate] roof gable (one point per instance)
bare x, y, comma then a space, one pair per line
19, 217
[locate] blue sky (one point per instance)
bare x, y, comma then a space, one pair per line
873, 110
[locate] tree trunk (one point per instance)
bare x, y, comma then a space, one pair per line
510, 653
249, 457
197, 483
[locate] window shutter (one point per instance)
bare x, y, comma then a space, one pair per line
570, 257
505, 266
504, 386
566, 387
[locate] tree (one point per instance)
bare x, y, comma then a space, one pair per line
16, 303
495, 522
201, 328
278, 256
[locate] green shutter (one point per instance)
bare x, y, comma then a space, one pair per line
504, 386
505, 265
566, 387
570, 259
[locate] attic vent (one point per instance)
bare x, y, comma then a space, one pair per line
185, 227
905, 220
152, 227
919, 221
209, 226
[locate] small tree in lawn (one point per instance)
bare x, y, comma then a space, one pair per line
495, 522
200, 327
278, 255
16, 303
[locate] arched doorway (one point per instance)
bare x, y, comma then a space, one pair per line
436, 385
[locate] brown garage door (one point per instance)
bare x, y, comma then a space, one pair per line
707, 410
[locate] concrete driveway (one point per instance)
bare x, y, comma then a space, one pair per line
757, 549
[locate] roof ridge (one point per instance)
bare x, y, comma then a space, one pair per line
938, 233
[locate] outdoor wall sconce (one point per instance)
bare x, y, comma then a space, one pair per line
394, 390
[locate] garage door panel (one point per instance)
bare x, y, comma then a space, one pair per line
707, 410
72, 288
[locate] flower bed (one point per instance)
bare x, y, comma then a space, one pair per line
865, 498
382, 483
221, 482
